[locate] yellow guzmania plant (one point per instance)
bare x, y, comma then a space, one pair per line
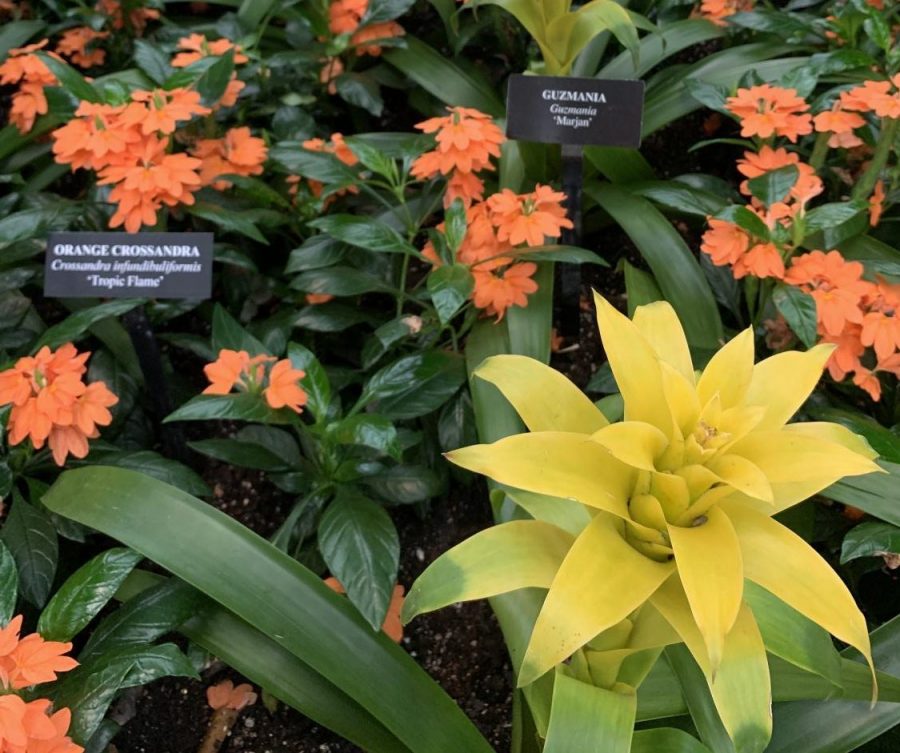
669, 510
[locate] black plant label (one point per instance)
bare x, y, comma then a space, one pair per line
129, 265
582, 111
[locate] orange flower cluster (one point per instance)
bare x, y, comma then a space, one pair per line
466, 139
118, 143
807, 186
74, 45
718, 11
278, 380
494, 228
345, 17
225, 695
726, 243
27, 70
854, 314
237, 153
30, 727
136, 17
392, 627
52, 404
765, 111
336, 146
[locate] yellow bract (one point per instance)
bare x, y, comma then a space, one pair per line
680, 496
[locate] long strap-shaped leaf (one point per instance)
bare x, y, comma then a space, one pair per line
676, 269
271, 591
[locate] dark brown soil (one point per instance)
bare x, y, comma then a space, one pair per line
460, 647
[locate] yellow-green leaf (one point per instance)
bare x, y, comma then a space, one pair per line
729, 372
784, 381
659, 324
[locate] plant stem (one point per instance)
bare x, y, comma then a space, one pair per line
882, 151
404, 271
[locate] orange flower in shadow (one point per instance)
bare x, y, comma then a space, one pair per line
392, 627
284, 390
74, 45
225, 695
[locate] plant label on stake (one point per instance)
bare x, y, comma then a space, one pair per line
129, 265
134, 265
573, 112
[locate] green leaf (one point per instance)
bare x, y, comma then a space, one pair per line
366, 430
666, 740
361, 90
385, 10
886, 442
875, 493
153, 464
9, 584
76, 325
570, 33
363, 232
153, 613
870, 540
405, 484
228, 221
320, 166
640, 288
360, 545
675, 268
89, 689
16, 33
339, 281
455, 225
450, 287
456, 424
315, 382
273, 592
227, 333
242, 406
241, 454
799, 311
315, 253
85, 593
678, 197
745, 219
567, 254
584, 717
774, 185
70, 79
416, 384
828, 216
441, 78
840, 726
30, 537
212, 84
152, 61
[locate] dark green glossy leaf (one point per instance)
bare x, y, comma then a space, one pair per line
333, 316
315, 381
9, 584
876, 493
799, 311
320, 166
828, 216
31, 539
315, 253
367, 430
456, 424
405, 484
70, 79
85, 593
241, 454
242, 406
640, 287
745, 219
365, 233
152, 60
76, 325
212, 84
450, 287
362, 550
415, 385
774, 185
228, 221
155, 465
339, 281
361, 90
227, 333
870, 540
16, 33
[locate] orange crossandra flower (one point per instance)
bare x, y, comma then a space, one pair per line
26, 69
876, 204
767, 111
331, 70
237, 153
30, 728
879, 97
98, 135
840, 124
761, 260
30, 660
835, 284
137, 17
724, 242
196, 47
225, 695
718, 11
495, 292
51, 404
344, 16
284, 390
466, 141
363, 39
846, 356
754, 165
528, 218
316, 299
881, 324
336, 146
74, 45
392, 626
467, 187
164, 108
234, 368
